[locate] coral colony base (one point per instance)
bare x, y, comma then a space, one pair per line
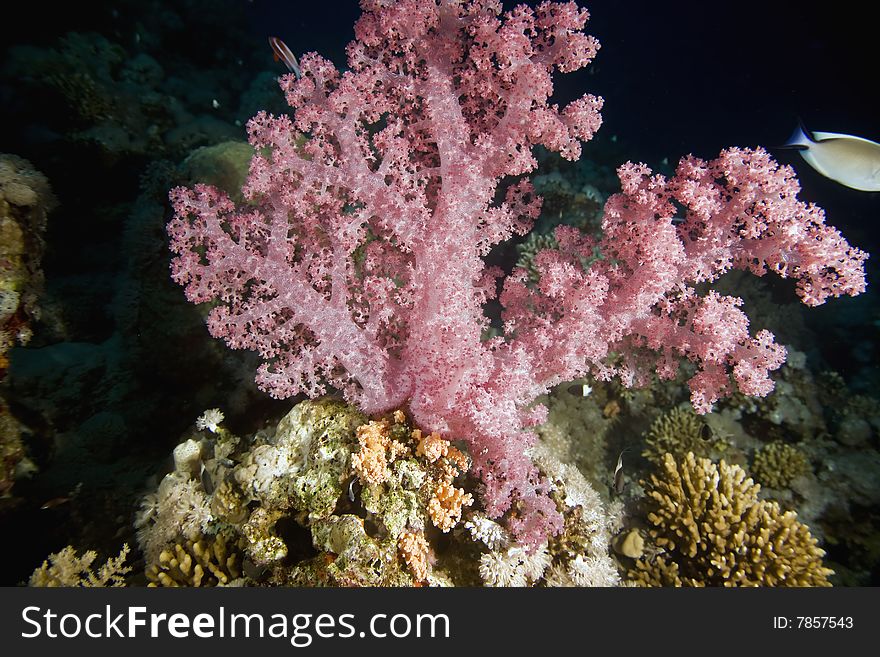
355, 265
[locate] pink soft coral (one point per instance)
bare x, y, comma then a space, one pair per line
357, 262
740, 211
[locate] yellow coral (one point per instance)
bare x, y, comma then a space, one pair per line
678, 432
710, 529
207, 562
455, 463
431, 446
377, 450
415, 552
777, 464
446, 504
382, 443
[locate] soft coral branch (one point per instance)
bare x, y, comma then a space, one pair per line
740, 212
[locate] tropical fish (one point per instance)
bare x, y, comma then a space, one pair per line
618, 474
353, 488
580, 390
206, 479
284, 54
851, 161
62, 499
55, 501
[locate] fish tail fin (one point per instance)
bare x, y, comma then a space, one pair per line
801, 139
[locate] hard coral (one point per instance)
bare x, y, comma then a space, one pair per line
206, 562
777, 464
678, 432
710, 529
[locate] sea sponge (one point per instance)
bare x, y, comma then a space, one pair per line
710, 529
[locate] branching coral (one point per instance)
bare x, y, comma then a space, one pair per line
66, 569
206, 562
712, 530
358, 261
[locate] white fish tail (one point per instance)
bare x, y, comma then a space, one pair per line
800, 138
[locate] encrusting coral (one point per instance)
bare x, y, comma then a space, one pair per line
710, 529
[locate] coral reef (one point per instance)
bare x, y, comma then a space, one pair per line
580, 552
121, 99
513, 339
330, 497
323, 462
710, 529
578, 428
25, 202
13, 462
340, 271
